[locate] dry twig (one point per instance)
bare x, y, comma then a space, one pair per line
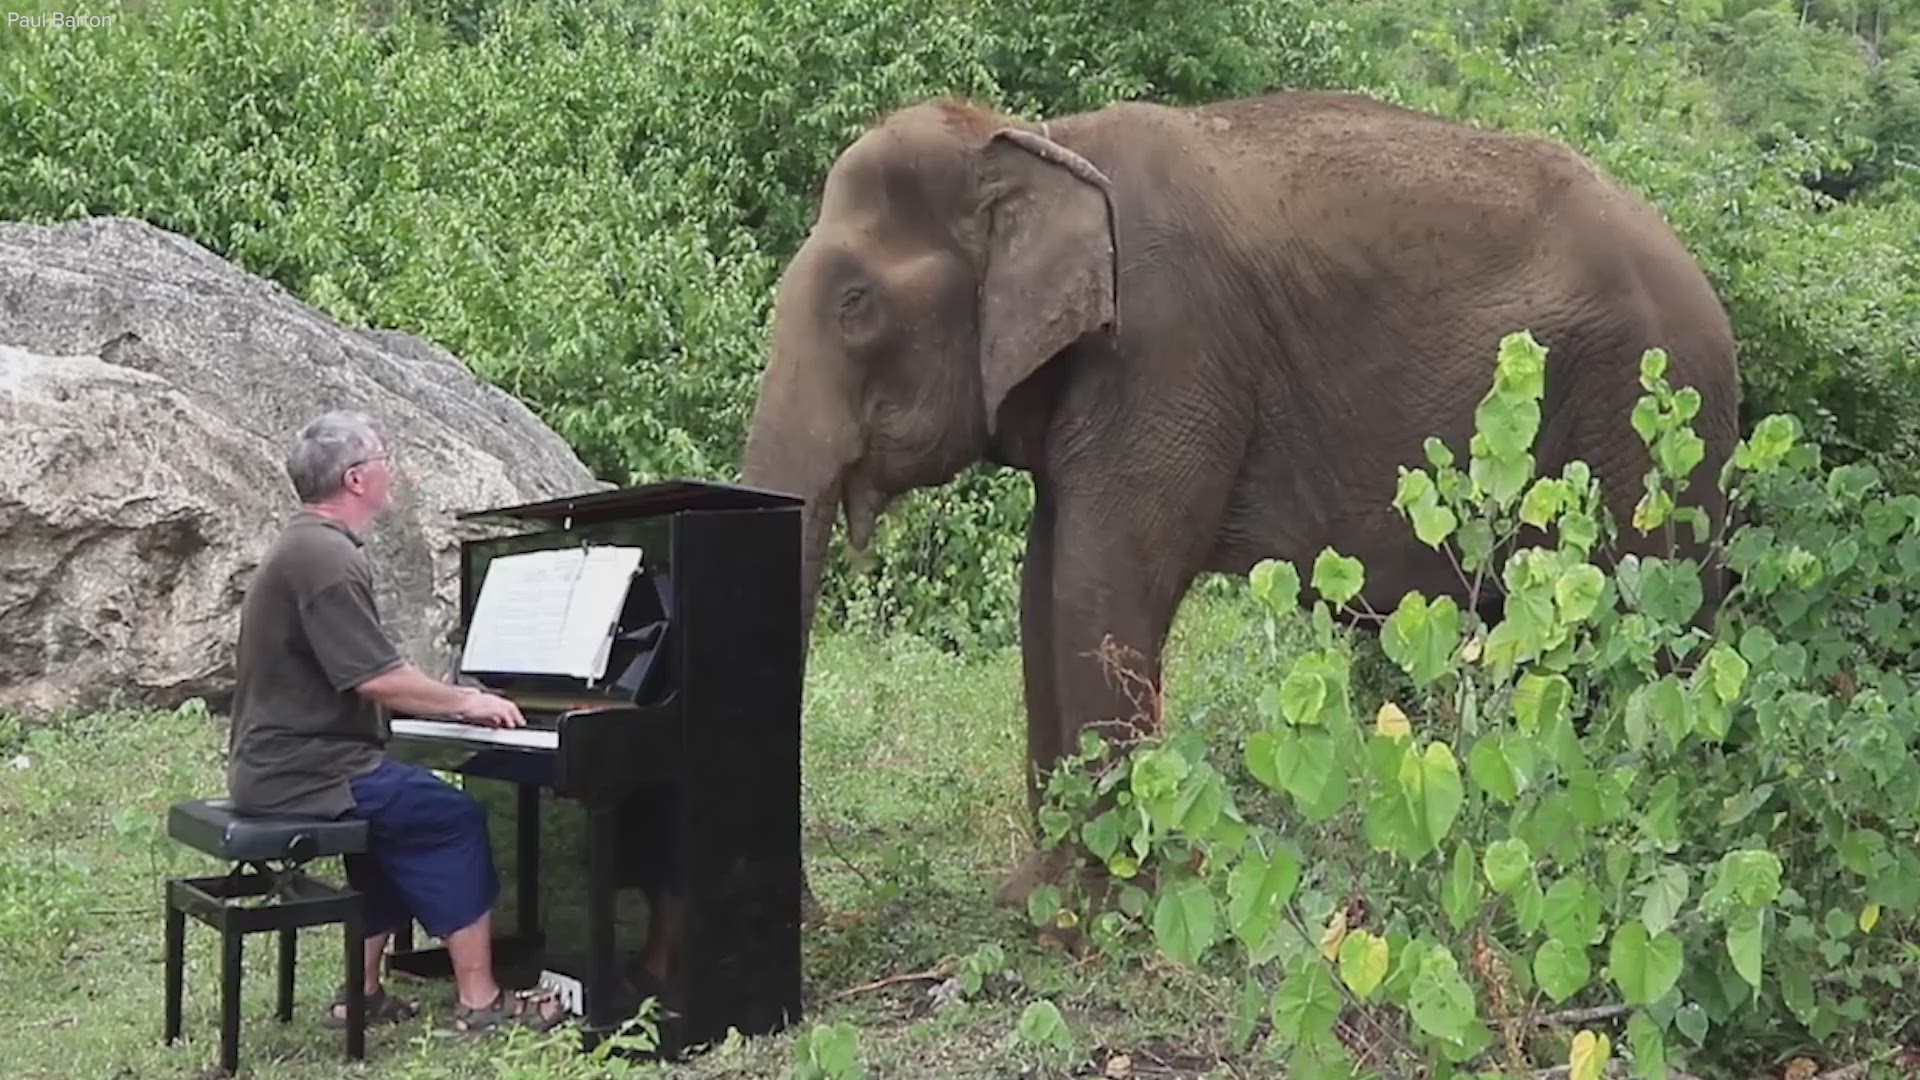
1581, 1016
934, 974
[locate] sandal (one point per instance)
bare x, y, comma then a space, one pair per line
381, 1008
522, 1008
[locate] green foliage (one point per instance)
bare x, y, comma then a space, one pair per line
1044, 1031
1602, 797
828, 1052
589, 200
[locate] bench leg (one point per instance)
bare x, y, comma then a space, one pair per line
287, 939
176, 966
231, 940
356, 986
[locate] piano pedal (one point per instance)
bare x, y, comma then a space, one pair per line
566, 990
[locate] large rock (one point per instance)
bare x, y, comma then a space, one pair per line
148, 402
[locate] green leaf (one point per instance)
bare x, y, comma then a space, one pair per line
1183, 922
1262, 758
1561, 969
1102, 835
1670, 708
1308, 768
1572, 912
1276, 583
1861, 850
1421, 638
1432, 787
1257, 894
1653, 365
1773, 437
1441, 1001
1541, 700
1729, 671
1796, 991
1490, 769
1502, 478
1744, 880
1433, 524
1661, 821
1578, 592
1507, 863
1757, 644
1644, 966
1337, 577
1692, 1020
1649, 1047
1460, 892
1302, 694
1308, 1001
1543, 502
1363, 962
1669, 591
1745, 945
1043, 905
1042, 1025
1665, 894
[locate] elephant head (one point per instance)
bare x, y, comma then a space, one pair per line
954, 253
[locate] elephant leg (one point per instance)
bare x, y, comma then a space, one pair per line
1116, 587
1038, 664
1036, 649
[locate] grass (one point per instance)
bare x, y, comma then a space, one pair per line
913, 807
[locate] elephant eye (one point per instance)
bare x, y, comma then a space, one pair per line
852, 299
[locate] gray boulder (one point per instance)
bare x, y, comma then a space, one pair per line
148, 401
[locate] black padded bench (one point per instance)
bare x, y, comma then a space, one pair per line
265, 889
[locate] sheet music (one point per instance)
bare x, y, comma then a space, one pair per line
550, 612
599, 592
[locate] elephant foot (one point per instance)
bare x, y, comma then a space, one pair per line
811, 913
1036, 869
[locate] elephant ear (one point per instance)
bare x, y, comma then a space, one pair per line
1052, 258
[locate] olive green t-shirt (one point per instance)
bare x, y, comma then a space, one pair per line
309, 634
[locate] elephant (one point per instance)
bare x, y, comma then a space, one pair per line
1210, 334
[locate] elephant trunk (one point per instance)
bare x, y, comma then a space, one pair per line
772, 469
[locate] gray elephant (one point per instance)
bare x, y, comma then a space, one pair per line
1210, 335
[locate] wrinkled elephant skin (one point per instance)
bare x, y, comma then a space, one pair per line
1304, 288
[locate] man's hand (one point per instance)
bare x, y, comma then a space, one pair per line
490, 710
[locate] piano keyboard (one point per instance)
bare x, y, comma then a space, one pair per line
530, 737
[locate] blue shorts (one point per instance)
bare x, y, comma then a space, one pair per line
428, 856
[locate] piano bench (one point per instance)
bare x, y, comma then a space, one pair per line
265, 888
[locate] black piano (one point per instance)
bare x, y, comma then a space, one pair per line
677, 768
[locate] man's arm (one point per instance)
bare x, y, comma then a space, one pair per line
356, 654
405, 689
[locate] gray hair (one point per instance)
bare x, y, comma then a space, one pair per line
328, 446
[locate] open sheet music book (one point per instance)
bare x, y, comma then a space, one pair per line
550, 612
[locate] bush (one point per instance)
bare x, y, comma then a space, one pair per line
1593, 802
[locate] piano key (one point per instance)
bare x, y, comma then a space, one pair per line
534, 738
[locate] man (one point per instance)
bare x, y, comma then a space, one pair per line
316, 677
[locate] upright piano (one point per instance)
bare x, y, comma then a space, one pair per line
672, 758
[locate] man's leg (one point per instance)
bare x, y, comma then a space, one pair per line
383, 913
471, 948
432, 842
